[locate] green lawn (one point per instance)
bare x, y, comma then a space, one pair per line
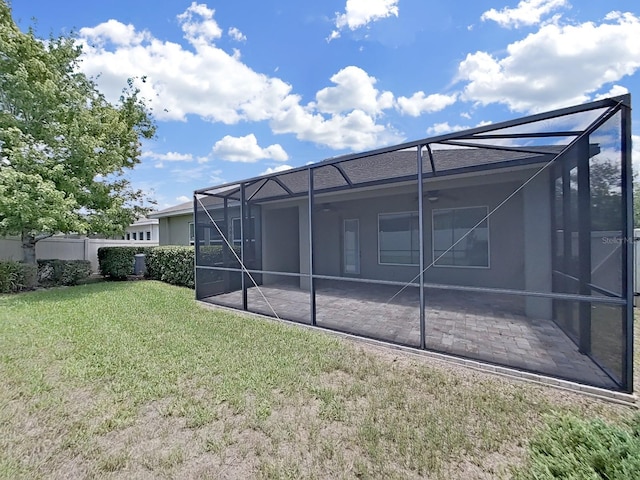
135, 380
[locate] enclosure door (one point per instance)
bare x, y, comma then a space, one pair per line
351, 246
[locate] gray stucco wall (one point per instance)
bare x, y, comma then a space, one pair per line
505, 244
519, 237
280, 238
175, 230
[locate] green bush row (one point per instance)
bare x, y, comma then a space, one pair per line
62, 272
117, 262
575, 448
17, 276
171, 264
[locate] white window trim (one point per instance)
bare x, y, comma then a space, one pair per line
233, 228
189, 239
475, 267
378, 238
344, 246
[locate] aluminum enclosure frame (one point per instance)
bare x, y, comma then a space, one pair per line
541, 142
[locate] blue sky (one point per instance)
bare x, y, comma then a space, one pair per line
243, 87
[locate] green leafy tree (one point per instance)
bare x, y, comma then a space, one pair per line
64, 149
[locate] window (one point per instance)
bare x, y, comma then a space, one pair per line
456, 243
398, 239
134, 235
351, 240
192, 233
235, 230
128, 236
148, 235
141, 236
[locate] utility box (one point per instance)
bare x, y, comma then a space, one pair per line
139, 264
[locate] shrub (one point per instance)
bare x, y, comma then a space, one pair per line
570, 447
117, 262
62, 272
212, 255
17, 276
172, 264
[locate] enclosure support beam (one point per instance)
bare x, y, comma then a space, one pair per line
431, 161
226, 276
312, 286
584, 243
568, 223
242, 259
627, 249
196, 240
421, 240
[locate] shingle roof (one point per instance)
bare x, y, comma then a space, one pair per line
379, 168
180, 209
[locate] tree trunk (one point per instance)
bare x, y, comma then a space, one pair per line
29, 248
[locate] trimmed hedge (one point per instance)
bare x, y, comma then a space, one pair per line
17, 276
171, 264
117, 262
212, 255
55, 272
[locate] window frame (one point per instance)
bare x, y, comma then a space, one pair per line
233, 231
433, 231
344, 246
191, 233
411, 212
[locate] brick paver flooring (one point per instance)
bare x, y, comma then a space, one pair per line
484, 327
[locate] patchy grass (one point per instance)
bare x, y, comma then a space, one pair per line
135, 380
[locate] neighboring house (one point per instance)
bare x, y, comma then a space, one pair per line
175, 224
143, 230
508, 243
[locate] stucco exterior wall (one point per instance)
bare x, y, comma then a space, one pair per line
175, 230
280, 239
519, 235
505, 232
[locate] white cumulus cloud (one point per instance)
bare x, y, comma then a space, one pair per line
527, 12
359, 13
204, 80
420, 103
354, 90
279, 168
169, 156
354, 130
246, 149
555, 66
444, 127
115, 32
237, 35
198, 24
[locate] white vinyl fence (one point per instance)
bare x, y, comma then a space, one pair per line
66, 248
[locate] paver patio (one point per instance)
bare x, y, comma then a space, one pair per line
466, 324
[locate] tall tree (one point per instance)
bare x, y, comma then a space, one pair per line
64, 149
